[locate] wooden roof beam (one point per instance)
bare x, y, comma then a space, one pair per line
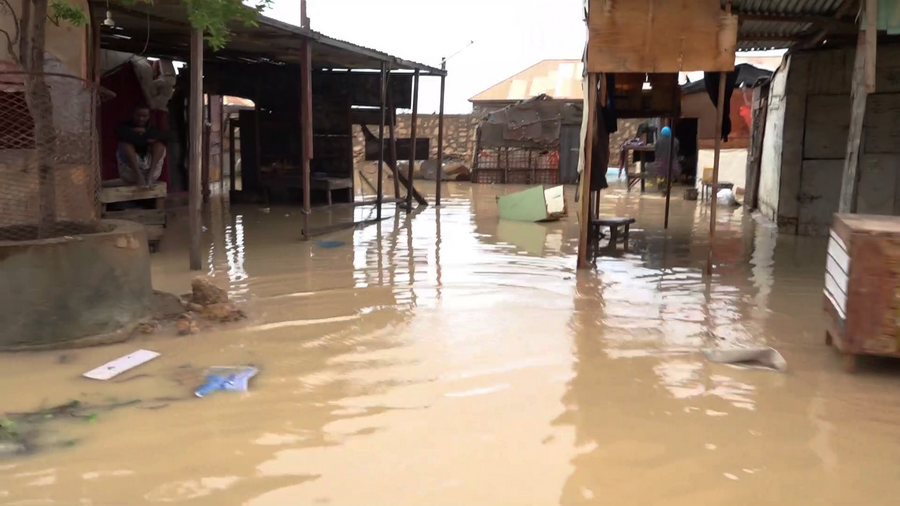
842, 11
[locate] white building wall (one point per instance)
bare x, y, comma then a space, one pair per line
770, 169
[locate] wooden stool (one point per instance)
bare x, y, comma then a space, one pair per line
151, 211
615, 224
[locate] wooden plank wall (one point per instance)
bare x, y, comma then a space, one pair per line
660, 36
815, 134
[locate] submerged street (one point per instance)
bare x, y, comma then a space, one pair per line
449, 358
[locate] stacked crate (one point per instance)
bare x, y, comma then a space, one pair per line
862, 286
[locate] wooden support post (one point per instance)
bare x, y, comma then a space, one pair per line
206, 148
392, 134
304, 19
440, 141
412, 139
586, 208
871, 21
672, 157
720, 110
232, 155
195, 120
859, 97
379, 197
306, 128
257, 134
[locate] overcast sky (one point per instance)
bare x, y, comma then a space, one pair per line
509, 35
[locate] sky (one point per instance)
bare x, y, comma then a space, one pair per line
509, 35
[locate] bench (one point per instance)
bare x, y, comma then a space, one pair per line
615, 224
330, 184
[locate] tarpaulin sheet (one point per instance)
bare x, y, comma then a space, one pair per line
531, 123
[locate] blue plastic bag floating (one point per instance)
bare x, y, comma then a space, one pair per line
330, 244
226, 379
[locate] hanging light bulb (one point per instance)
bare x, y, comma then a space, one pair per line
109, 21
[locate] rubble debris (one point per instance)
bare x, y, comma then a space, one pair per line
223, 312
186, 325
204, 292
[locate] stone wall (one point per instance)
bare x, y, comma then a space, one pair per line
627, 130
459, 134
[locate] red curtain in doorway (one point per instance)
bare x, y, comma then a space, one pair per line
124, 83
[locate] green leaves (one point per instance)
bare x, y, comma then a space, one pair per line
63, 11
211, 16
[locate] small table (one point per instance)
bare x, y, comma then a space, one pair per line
634, 177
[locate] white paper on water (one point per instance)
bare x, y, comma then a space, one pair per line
118, 366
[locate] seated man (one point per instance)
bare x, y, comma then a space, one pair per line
142, 149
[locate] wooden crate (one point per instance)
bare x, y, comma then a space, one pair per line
862, 286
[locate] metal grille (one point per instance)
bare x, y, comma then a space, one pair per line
49, 160
517, 166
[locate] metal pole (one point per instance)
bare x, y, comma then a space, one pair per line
672, 157
412, 140
720, 108
306, 128
379, 199
440, 146
195, 120
586, 208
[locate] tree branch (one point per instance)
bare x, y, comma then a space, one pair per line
10, 45
24, 25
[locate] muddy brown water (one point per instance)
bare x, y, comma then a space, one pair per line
456, 359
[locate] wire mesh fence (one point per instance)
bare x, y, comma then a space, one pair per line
516, 166
49, 156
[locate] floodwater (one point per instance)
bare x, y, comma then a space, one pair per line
447, 358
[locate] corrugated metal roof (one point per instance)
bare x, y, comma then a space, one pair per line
268, 39
821, 7
771, 33
560, 79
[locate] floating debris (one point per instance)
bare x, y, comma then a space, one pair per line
330, 244
233, 379
118, 366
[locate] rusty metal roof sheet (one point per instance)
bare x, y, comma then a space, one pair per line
559, 79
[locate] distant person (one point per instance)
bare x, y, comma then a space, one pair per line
142, 149
663, 158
